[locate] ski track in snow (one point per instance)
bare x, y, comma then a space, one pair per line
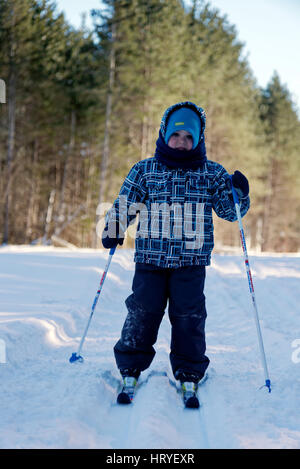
45, 402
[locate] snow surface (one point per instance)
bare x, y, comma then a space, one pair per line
45, 402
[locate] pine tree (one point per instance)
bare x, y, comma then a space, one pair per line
220, 80
60, 147
14, 50
147, 73
57, 103
282, 196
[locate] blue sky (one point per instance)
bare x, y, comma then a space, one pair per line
270, 30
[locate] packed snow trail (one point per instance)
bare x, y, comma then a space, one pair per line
46, 402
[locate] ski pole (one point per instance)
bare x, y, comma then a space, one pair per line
251, 288
76, 355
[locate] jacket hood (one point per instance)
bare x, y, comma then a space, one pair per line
174, 107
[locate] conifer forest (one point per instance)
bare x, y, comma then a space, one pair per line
82, 106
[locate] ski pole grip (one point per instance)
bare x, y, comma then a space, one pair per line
234, 194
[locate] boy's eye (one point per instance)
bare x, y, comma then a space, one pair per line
189, 137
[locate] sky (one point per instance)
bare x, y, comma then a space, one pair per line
269, 30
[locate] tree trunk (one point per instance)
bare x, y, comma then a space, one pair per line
49, 216
2, 92
105, 154
268, 208
10, 146
62, 204
145, 133
31, 217
105, 151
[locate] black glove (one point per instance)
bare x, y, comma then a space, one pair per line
110, 241
241, 184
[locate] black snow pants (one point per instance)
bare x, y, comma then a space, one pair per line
153, 287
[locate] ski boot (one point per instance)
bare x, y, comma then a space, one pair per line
130, 378
189, 394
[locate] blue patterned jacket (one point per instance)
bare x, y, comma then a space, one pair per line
175, 207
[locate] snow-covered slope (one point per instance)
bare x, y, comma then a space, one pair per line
45, 402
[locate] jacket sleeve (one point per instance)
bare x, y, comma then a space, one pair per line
129, 200
222, 199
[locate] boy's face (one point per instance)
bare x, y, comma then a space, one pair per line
181, 140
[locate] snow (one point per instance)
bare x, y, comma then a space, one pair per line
45, 402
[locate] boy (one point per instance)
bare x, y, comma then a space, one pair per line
174, 193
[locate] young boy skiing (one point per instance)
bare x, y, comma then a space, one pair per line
174, 193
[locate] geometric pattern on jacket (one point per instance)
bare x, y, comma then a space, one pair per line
174, 207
